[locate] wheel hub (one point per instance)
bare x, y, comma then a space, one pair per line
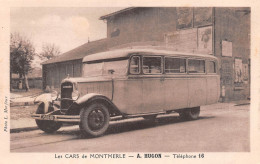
96, 119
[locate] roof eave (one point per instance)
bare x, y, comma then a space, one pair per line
115, 13
62, 61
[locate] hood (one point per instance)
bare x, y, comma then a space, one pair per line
87, 79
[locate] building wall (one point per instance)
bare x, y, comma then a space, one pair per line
233, 25
141, 24
54, 73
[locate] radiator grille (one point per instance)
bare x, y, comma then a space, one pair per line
66, 92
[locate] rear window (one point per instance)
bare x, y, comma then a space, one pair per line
152, 65
175, 65
196, 66
211, 67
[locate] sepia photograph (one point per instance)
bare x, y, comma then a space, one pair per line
130, 79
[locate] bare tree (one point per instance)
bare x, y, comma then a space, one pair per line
22, 53
49, 51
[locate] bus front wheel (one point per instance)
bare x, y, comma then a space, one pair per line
94, 120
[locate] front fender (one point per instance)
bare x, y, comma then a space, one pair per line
87, 97
45, 99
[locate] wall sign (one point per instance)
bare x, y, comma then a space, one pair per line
182, 40
191, 40
226, 48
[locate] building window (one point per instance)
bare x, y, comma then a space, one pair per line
211, 67
175, 65
115, 32
135, 65
196, 66
152, 65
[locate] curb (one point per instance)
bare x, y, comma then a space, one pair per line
242, 104
26, 129
12, 104
18, 130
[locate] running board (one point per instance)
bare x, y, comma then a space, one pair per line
76, 118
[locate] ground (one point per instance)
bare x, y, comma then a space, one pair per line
221, 128
22, 112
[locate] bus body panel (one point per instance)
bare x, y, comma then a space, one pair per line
197, 91
213, 90
128, 95
176, 93
153, 94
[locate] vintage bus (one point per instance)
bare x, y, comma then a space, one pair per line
127, 83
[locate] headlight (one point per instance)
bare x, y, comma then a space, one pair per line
75, 95
54, 95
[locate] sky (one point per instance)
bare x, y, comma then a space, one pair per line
66, 27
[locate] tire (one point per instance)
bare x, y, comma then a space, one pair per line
94, 120
150, 117
47, 126
190, 114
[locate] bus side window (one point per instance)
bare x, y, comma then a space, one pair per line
135, 65
152, 65
196, 66
175, 65
211, 67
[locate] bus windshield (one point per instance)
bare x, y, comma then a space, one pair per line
105, 68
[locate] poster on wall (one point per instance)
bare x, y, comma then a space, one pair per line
202, 16
226, 48
184, 17
238, 71
205, 39
245, 72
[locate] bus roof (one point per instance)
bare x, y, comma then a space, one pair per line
125, 53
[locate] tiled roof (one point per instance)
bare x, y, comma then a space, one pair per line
80, 52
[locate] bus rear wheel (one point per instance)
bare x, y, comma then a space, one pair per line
190, 114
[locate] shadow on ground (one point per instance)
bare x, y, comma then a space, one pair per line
132, 125
145, 124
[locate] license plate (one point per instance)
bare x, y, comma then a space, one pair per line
47, 117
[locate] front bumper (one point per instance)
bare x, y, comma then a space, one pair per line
58, 118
